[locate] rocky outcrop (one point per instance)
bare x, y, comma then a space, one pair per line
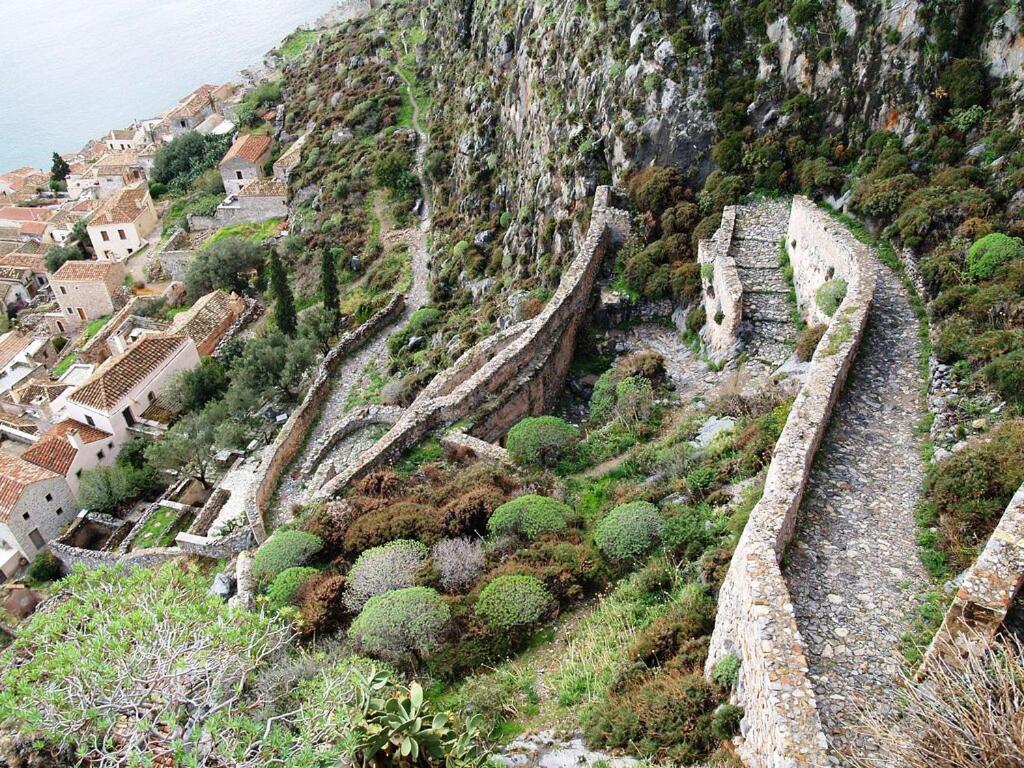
756, 619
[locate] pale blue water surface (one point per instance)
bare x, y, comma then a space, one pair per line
70, 70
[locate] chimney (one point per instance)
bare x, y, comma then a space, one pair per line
75, 440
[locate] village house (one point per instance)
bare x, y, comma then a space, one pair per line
36, 264
86, 290
35, 503
38, 399
17, 287
244, 162
22, 185
64, 220
190, 111
71, 447
118, 394
133, 137
206, 321
257, 201
215, 125
12, 217
23, 356
119, 227
289, 160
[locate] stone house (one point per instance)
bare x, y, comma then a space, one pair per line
119, 227
35, 504
190, 111
37, 399
118, 394
258, 201
71, 447
244, 162
132, 137
289, 160
17, 287
63, 222
206, 321
12, 217
86, 290
23, 357
35, 264
22, 184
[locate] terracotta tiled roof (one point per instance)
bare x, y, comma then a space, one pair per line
264, 188
12, 344
14, 213
123, 207
36, 263
194, 103
16, 475
114, 163
121, 134
249, 147
33, 228
54, 450
85, 271
34, 389
205, 317
116, 377
19, 422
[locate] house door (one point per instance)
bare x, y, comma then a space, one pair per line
60, 326
129, 419
81, 313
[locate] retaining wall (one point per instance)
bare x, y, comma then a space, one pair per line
279, 454
987, 591
755, 620
494, 369
722, 289
813, 258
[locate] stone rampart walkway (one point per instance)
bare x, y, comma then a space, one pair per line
853, 569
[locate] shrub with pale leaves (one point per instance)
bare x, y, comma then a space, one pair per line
382, 569
459, 563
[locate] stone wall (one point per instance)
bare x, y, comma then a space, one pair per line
722, 289
353, 421
514, 372
987, 590
243, 210
279, 454
457, 440
755, 620
253, 309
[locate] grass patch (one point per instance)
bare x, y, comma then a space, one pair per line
160, 529
426, 452
66, 362
256, 231
94, 327
297, 43
915, 641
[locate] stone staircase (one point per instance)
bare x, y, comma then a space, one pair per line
768, 331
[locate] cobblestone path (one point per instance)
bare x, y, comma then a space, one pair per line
351, 375
853, 568
768, 331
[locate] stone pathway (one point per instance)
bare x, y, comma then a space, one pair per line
351, 374
853, 568
768, 331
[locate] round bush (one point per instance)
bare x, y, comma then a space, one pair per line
513, 601
629, 532
992, 251
286, 586
1006, 375
529, 516
830, 295
458, 562
406, 621
46, 567
283, 550
543, 440
383, 569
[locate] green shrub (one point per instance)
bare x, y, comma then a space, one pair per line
285, 586
45, 567
1006, 375
529, 516
283, 550
687, 535
690, 616
629, 531
830, 295
602, 399
954, 340
398, 624
726, 671
513, 601
669, 716
808, 340
964, 82
700, 479
542, 440
804, 13
725, 722
656, 188
970, 490
990, 252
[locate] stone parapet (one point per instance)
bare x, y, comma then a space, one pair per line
722, 289
986, 592
756, 621
459, 440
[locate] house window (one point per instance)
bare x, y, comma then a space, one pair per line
100, 454
37, 538
238, 175
183, 124
105, 235
60, 510
81, 313
151, 397
90, 421
70, 311
64, 290
49, 497
131, 251
24, 515
60, 327
121, 234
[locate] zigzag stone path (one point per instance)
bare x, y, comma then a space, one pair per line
768, 330
852, 569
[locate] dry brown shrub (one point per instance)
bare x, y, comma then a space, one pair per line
319, 601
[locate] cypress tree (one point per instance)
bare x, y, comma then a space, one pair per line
284, 304
329, 286
60, 168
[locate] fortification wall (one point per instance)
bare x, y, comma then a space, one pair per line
987, 591
755, 620
279, 454
722, 289
496, 366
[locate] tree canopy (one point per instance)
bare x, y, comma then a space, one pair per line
223, 265
182, 160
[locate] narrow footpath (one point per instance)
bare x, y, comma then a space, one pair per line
853, 569
351, 374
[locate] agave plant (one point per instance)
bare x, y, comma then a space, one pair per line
397, 728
